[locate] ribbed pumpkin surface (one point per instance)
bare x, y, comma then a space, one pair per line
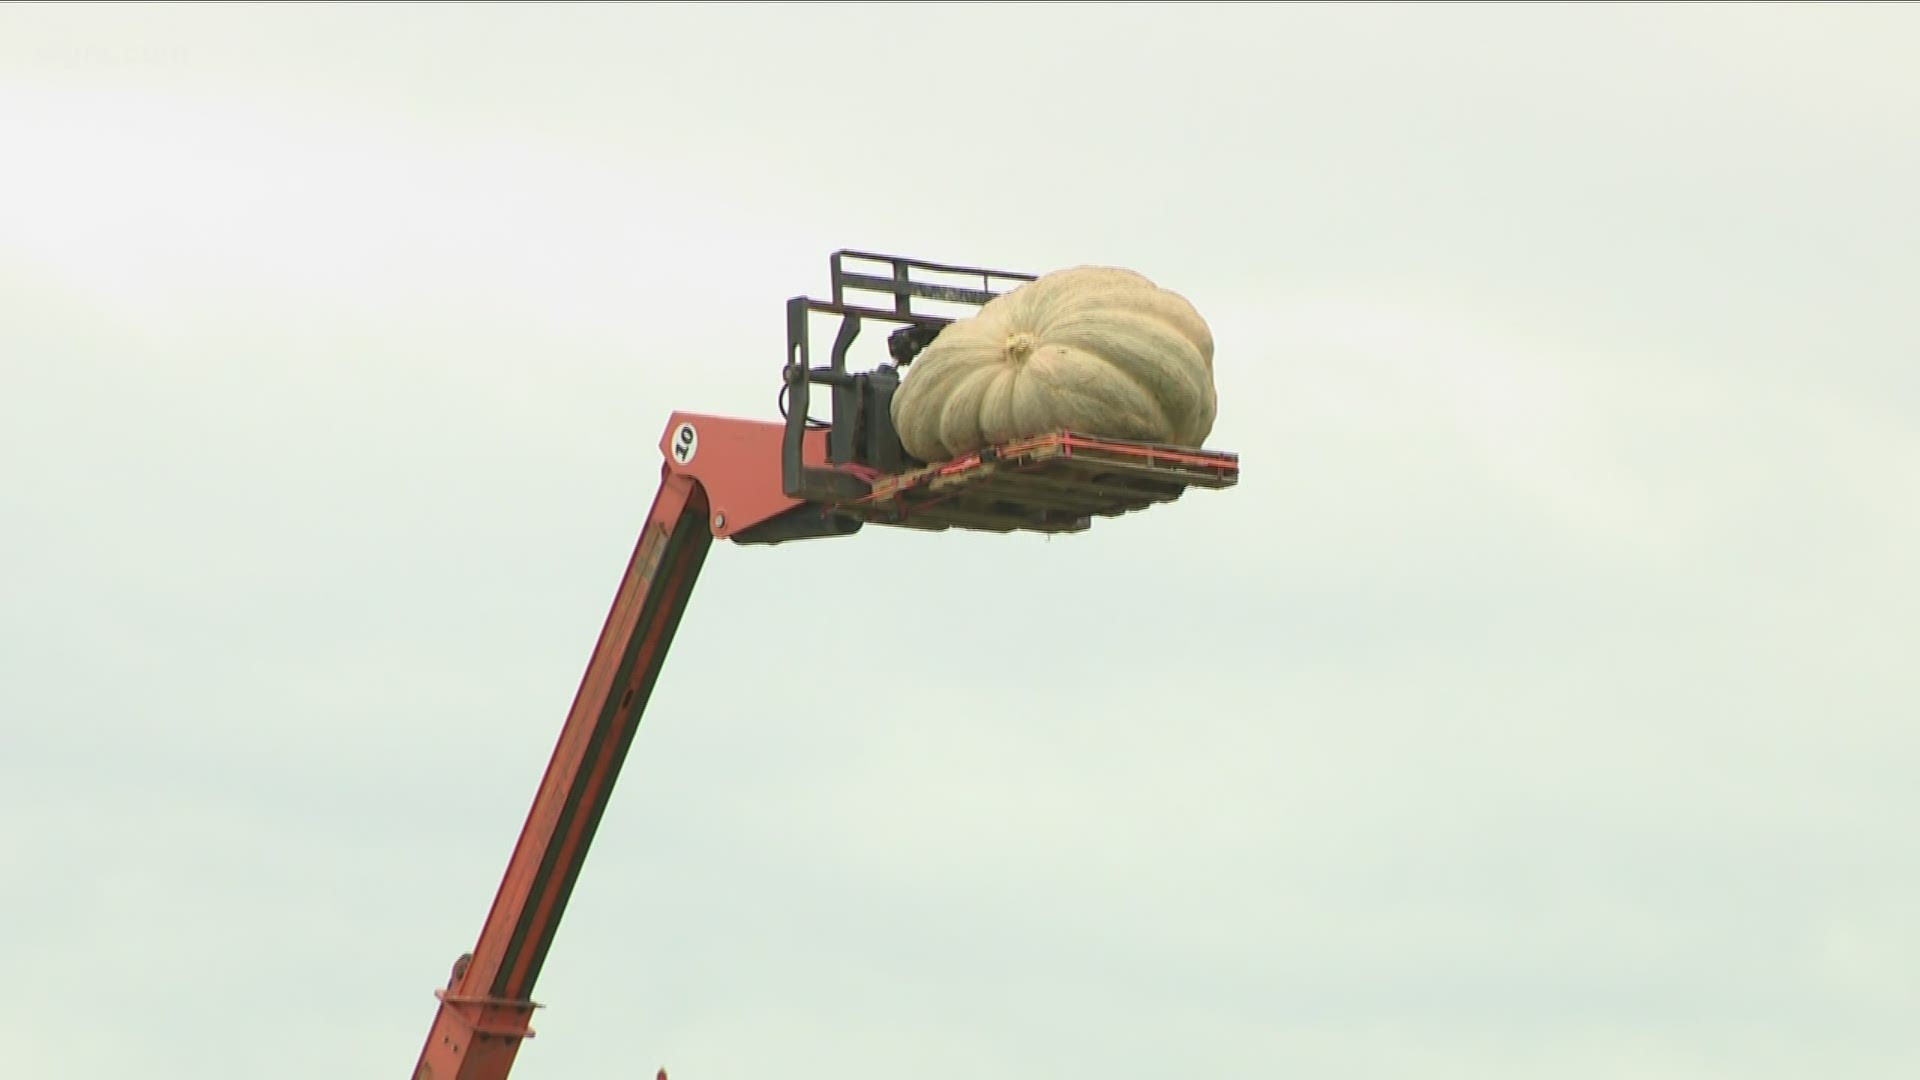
1097, 350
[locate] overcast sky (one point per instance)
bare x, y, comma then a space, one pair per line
1540, 704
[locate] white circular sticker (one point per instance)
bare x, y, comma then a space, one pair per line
686, 443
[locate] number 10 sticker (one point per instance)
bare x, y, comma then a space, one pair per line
686, 442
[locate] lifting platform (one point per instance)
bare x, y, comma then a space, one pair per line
1051, 483
757, 482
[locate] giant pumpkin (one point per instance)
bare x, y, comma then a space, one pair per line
1096, 350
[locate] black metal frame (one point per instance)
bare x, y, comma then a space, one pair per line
861, 428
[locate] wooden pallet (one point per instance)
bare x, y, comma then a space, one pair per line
1053, 483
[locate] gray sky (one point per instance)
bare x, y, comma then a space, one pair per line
1539, 704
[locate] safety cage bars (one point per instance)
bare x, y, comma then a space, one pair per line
860, 429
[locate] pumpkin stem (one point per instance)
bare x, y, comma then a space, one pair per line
1021, 345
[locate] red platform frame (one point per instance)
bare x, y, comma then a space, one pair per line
722, 476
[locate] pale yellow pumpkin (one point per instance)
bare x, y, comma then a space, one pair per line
1096, 350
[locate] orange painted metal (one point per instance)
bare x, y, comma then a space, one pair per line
1067, 442
1076, 478
485, 1011
738, 463
721, 475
